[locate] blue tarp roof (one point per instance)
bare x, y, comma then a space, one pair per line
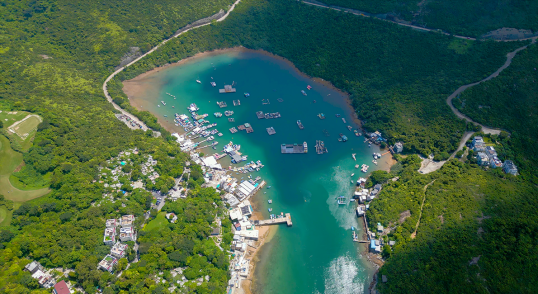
372, 244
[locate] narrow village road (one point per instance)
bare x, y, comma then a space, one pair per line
179, 33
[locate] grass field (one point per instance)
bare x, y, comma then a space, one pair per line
5, 216
26, 126
39, 183
10, 117
159, 222
9, 159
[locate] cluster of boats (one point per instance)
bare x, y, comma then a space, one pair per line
248, 168
364, 168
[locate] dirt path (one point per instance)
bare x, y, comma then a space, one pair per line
421, 206
367, 14
205, 22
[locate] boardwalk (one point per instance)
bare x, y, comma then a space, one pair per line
286, 219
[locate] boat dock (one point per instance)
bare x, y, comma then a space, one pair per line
275, 221
294, 148
227, 89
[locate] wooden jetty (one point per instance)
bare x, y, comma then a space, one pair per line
227, 89
279, 220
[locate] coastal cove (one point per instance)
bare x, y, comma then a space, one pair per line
316, 254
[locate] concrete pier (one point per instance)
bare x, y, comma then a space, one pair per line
275, 221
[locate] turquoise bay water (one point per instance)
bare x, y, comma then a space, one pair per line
317, 254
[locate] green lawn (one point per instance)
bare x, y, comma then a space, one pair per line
39, 183
9, 119
27, 126
5, 216
9, 159
156, 224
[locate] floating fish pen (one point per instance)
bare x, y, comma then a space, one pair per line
271, 131
260, 114
227, 89
233, 130
265, 101
280, 100
241, 127
294, 148
237, 102
231, 119
320, 147
222, 104
248, 128
272, 115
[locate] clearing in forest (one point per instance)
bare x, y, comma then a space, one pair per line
26, 126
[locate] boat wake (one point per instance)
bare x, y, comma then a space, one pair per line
342, 276
337, 184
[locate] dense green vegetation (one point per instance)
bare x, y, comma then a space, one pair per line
461, 17
468, 213
398, 78
510, 102
54, 56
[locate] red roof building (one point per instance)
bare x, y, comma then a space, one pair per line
61, 288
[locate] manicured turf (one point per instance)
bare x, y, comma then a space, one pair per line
17, 195
158, 223
9, 159
5, 216
27, 126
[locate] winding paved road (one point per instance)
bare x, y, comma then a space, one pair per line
181, 32
367, 14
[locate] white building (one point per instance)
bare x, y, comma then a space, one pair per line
112, 223
127, 221
127, 234
109, 237
510, 168
108, 263
398, 147
119, 250
249, 234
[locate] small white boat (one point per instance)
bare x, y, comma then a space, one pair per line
198, 81
353, 155
352, 174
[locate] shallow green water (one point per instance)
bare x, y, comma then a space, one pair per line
317, 254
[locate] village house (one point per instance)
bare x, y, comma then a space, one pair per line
127, 234
108, 263
112, 223
37, 271
495, 162
482, 159
119, 250
490, 151
127, 221
398, 147
478, 144
510, 168
109, 237
61, 288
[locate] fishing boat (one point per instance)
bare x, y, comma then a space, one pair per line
228, 112
356, 132
269, 209
164, 103
365, 168
361, 182
341, 200
374, 161
213, 84
349, 128
217, 114
352, 228
173, 106
342, 138
352, 174
353, 155
344, 120
198, 81
300, 125
270, 201
356, 166
321, 116
219, 134
158, 105
338, 115
309, 87
304, 93
247, 94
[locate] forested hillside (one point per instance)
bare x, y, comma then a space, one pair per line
478, 231
398, 78
471, 18
510, 102
54, 56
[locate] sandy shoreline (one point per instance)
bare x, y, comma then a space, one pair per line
132, 88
